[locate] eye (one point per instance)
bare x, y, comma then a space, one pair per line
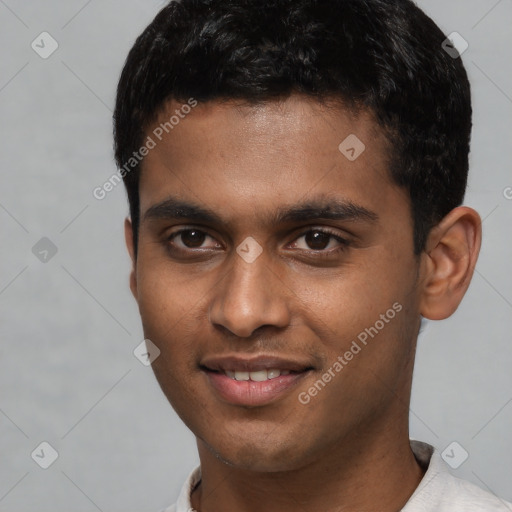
320, 240
189, 238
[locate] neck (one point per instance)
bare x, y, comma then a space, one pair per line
365, 472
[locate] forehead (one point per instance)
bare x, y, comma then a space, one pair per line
249, 158
298, 122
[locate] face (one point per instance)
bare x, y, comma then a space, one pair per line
268, 253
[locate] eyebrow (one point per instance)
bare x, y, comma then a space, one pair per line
173, 208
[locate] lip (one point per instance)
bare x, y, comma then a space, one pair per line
252, 393
253, 364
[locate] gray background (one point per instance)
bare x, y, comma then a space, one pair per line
68, 326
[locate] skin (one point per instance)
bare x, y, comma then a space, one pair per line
348, 448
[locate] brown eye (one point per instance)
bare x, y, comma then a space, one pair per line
320, 240
317, 240
192, 238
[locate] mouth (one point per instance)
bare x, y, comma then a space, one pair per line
256, 376
254, 381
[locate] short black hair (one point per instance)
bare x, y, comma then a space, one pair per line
383, 55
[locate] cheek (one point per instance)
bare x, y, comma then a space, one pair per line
165, 312
366, 315
165, 295
163, 309
354, 298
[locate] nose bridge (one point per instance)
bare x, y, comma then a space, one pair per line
249, 296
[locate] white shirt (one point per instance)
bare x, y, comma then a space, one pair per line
438, 491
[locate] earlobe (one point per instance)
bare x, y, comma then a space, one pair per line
128, 235
449, 261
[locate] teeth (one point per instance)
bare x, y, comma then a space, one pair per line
272, 374
258, 376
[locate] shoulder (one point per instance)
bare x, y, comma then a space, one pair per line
440, 491
466, 496
183, 502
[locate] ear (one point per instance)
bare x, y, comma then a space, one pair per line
128, 236
448, 262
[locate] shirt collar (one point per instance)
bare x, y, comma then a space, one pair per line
183, 503
428, 458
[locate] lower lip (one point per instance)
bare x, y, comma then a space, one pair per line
252, 393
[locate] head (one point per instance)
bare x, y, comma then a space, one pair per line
298, 199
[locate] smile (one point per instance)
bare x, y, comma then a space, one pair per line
253, 381
258, 376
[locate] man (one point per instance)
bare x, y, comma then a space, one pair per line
295, 171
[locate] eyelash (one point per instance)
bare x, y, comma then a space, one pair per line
319, 253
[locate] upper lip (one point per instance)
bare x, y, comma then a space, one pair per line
253, 363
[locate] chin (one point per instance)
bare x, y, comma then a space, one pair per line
265, 454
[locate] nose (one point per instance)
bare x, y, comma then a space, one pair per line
251, 295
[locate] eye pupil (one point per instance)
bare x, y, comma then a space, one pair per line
317, 240
192, 238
